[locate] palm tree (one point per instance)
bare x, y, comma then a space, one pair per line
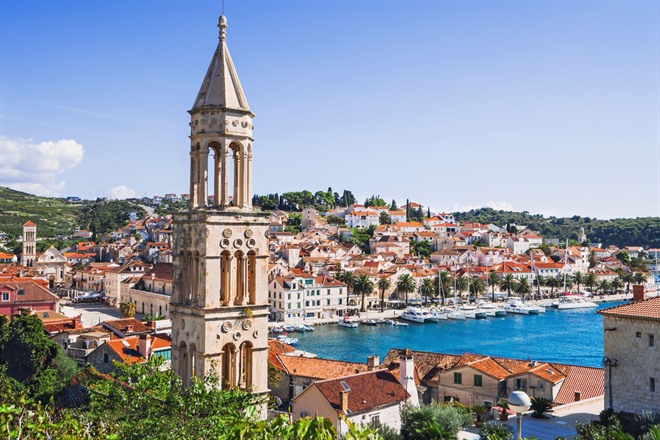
426, 288
579, 279
127, 309
540, 280
508, 283
590, 281
494, 280
363, 286
383, 285
477, 286
605, 286
462, 284
627, 277
553, 283
444, 284
617, 284
347, 278
639, 278
405, 285
522, 287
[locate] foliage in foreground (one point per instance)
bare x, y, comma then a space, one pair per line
434, 421
613, 426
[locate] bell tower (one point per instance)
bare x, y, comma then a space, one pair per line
220, 296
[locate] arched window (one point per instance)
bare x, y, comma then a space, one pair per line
240, 278
245, 367
225, 276
252, 277
228, 366
184, 371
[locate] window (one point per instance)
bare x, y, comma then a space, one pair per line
458, 378
521, 384
306, 303
652, 384
541, 386
5, 296
651, 340
375, 421
328, 302
340, 299
478, 380
106, 358
167, 354
639, 334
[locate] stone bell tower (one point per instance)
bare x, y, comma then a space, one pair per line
220, 298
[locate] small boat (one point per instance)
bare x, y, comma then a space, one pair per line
573, 302
400, 324
304, 328
289, 328
415, 314
290, 341
346, 321
276, 329
372, 322
437, 315
455, 314
491, 309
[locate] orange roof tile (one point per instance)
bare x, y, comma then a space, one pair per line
319, 368
646, 309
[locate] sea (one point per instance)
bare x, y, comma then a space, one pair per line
562, 336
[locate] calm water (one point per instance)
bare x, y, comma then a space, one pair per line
566, 336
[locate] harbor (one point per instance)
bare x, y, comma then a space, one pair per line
572, 336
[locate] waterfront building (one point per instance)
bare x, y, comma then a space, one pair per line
632, 356
302, 296
220, 290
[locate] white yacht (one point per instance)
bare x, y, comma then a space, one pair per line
415, 314
473, 312
436, 315
515, 305
573, 302
346, 321
455, 314
491, 309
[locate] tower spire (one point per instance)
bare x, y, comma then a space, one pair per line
222, 24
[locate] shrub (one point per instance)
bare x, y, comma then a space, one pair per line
540, 405
491, 429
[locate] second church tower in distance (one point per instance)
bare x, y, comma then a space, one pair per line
220, 298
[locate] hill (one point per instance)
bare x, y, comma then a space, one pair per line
52, 215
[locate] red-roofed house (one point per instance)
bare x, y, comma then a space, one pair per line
130, 350
371, 398
25, 293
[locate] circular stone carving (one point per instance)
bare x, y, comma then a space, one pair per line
226, 326
255, 334
251, 243
246, 325
226, 233
224, 243
237, 335
238, 243
248, 233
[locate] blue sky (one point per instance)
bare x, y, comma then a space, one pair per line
546, 106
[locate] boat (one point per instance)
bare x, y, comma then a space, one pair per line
346, 321
491, 309
573, 302
515, 305
436, 315
304, 328
289, 328
473, 312
400, 324
415, 314
455, 314
372, 322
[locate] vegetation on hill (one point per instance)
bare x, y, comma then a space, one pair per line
53, 216
104, 216
644, 231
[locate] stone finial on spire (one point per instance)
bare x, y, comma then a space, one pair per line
222, 25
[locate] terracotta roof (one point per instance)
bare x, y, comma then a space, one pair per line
275, 348
32, 290
319, 368
127, 348
29, 223
646, 309
161, 271
122, 325
590, 382
368, 390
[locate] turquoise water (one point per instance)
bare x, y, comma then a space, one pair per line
566, 336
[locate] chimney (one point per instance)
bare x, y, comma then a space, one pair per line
578, 396
144, 345
343, 396
407, 376
639, 292
372, 362
129, 328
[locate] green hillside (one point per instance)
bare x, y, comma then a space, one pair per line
53, 216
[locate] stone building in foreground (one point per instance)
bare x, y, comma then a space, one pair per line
632, 356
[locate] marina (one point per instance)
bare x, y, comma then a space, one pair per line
572, 336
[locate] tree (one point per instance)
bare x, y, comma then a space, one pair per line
522, 287
127, 309
579, 279
590, 281
494, 281
623, 257
347, 278
462, 284
553, 283
385, 218
420, 248
444, 284
406, 284
508, 283
605, 286
32, 359
434, 421
393, 206
477, 286
540, 406
363, 286
383, 284
593, 260
639, 278
540, 281
427, 288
